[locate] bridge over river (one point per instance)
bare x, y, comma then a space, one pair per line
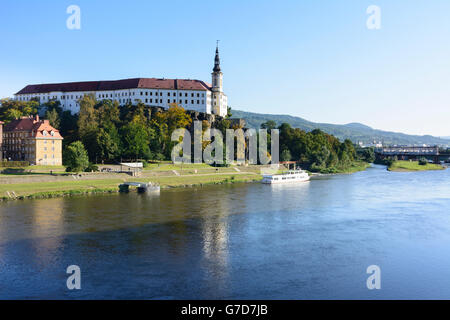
412, 153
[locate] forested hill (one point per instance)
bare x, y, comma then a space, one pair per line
354, 131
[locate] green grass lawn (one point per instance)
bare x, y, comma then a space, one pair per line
31, 188
102, 185
32, 170
406, 166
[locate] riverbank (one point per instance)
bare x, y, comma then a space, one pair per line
43, 185
43, 190
355, 166
412, 166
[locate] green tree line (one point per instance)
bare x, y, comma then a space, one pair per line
110, 133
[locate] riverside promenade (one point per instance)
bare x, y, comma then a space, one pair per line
29, 184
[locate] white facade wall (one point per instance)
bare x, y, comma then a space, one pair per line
197, 100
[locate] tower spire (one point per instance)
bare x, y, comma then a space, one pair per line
217, 59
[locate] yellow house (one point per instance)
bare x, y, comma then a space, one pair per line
33, 140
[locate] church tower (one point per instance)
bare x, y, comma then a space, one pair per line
217, 75
219, 99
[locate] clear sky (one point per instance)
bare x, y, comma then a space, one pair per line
313, 59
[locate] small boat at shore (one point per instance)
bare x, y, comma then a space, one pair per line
289, 176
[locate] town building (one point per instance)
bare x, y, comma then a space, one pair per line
190, 94
33, 140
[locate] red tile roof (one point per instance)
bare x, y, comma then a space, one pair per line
34, 126
20, 125
145, 83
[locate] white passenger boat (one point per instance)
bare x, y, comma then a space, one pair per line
289, 176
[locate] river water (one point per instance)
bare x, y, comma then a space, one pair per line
311, 240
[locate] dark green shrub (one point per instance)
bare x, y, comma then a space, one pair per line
14, 164
91, 168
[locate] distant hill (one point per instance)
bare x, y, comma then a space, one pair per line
356, 132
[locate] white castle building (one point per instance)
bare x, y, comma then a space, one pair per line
194, 95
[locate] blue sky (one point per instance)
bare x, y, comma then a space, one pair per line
313, 59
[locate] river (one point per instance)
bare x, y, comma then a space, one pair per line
311, 240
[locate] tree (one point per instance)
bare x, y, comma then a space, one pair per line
87, 117
269, 125
166, 122
14, 109
53, 117
52, 104
75, 157
176, 117
316, 150
69, 127
107, 141
285, 155
12, 114
423, 161
108, 112
135, 141
229, 114
368, 155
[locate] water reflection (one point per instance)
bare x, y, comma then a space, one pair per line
215, 245
249, 241
47, 221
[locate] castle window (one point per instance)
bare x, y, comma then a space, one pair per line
192, 101
160, 100
151, 100
192, 95
168, 94
185, 101
198, 101
141, 93
203, 101
185, 94
198, 94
